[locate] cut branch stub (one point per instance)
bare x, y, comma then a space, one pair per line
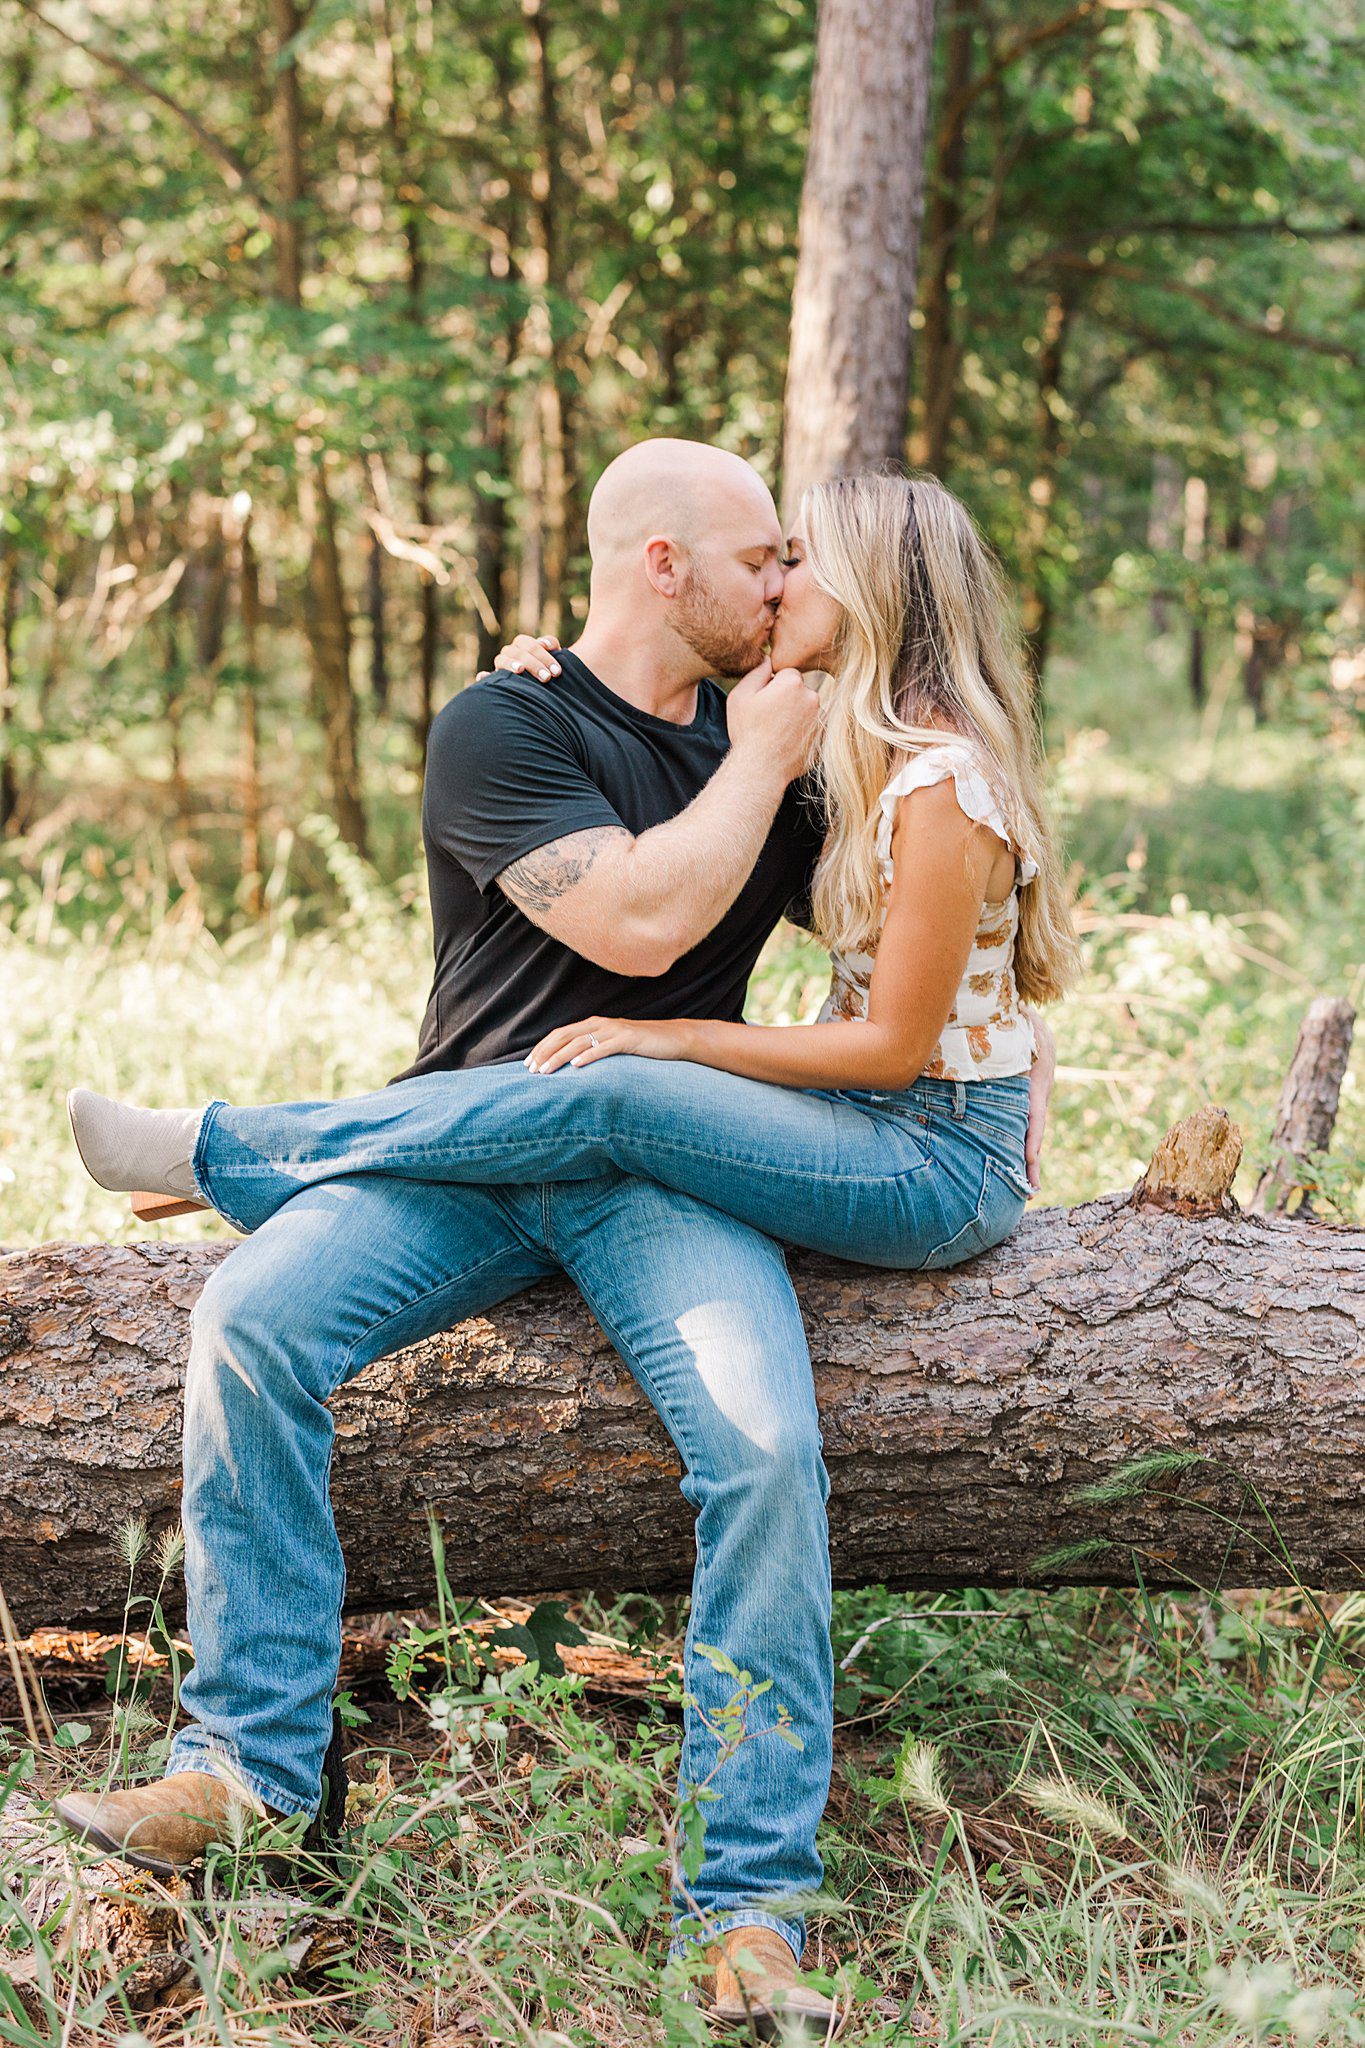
1194, 1166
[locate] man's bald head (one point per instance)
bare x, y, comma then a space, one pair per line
680, 490
686, 539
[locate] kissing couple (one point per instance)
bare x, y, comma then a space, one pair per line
610, 839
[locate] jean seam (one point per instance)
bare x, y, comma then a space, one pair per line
487, 1154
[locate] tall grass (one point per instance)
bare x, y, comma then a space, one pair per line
1085, 1816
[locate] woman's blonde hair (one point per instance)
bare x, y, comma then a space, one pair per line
927, 640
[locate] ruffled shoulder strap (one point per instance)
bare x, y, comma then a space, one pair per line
956, 758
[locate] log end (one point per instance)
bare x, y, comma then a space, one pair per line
1194, 1166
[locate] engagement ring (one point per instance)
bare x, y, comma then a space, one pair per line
592, 1038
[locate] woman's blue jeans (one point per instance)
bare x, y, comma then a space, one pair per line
911, 1177
363, 1239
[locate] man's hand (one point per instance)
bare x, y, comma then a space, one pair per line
1039, 1095
775, 715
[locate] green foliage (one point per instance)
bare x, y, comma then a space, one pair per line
1140, 280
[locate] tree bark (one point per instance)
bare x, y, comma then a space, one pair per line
1038, 606
9, 776
249, 606
1308, 1105
848, 375
327, 618
962, 1412
546, 419
939, 353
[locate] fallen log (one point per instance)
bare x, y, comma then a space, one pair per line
966, 1413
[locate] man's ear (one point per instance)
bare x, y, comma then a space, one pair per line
663, 564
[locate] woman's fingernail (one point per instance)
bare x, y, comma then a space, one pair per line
554, 671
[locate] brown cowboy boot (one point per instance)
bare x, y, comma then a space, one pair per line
754, 1984
159, 1826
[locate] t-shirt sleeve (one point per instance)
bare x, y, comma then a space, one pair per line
503, 777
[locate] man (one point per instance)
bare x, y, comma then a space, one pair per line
621, 841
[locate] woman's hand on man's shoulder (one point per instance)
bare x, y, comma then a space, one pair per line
526, 655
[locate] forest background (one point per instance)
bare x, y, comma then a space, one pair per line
316, 325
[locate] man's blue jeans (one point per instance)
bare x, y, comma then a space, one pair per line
365, 1238
701, 1309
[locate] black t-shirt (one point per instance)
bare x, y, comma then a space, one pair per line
514, 763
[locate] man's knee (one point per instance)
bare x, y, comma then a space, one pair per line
775, 1461
239, 1335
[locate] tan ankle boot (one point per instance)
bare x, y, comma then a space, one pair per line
754, 1983
160, 1826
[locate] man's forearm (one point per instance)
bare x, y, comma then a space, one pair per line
678, 879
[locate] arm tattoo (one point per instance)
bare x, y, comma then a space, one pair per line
536, 882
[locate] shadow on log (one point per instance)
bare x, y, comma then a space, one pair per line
965, 1414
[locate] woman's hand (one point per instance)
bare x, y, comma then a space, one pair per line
525, 653
597, 1038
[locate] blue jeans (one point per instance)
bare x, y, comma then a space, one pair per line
701, 1309
912, 1177
359, 1205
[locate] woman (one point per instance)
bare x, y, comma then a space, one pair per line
891, 1131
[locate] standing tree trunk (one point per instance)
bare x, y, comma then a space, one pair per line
1196, 518
1038, 604
408, 180
327, 620
1163, 510
848, 375
379, 637
939, 352
9, 774
491, 521
249, 608
1308, 1107
546, 423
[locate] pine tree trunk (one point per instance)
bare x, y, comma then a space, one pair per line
379, 635
9, 774
249, 606
849, 370
1037, 600
939, 354
327, 619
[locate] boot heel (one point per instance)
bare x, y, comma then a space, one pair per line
157, 1208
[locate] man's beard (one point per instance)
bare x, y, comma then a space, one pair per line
701, 621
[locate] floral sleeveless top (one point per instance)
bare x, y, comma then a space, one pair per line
986, 1036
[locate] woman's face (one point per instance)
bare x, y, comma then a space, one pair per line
808, 619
